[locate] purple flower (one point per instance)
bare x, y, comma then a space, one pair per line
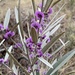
50, 11
17, 45
29, 40
9, 34
40, 5
1, 60
36, 62
48, 55
14, 74
43, 37
30, 44
35, 25
39, 53
48, 40
39, 15
29, 69
31, 56
44, 73
33, 20
1, 27
39, 44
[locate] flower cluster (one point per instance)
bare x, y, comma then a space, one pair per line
18, 45
39, 24
8, 34
34, 48
1, 60
1, 27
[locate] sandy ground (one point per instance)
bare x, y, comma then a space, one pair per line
6, 4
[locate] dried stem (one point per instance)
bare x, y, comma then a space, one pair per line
33, 3
16, 60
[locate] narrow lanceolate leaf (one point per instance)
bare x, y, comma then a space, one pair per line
45, 62
2, 42
51, 43
15, 70
33, 3
54, 62
19, 31
6, 20
55, 3
34, 35
54, 17
48, 3
57, 21
61, 62
60, 48
31, 73
62, 42
54, 30
7, 55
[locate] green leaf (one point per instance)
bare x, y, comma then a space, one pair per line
7, 55
61, 62
7, 19
49, 45
37, 73
52, 42
47, 5
56, 73
34, 35
15, 70
33, 3
45, 62
19, 18
19, 29
2, 42
55, 3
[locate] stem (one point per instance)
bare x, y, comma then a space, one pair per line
14, 27
15, 43
15, 60
42, 5
19, 16
33, 3
7, 67
30, 61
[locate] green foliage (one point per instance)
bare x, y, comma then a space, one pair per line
61, 62
51, 28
